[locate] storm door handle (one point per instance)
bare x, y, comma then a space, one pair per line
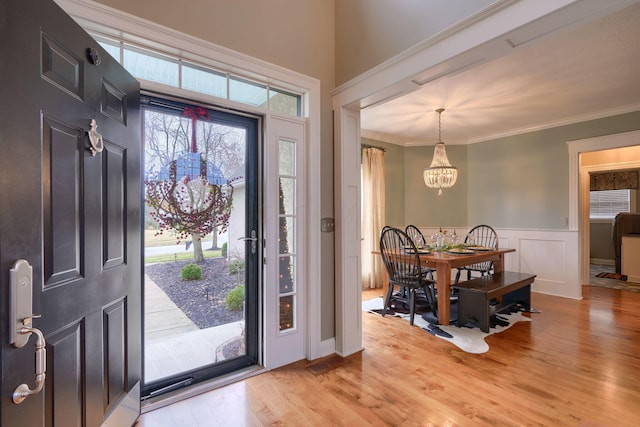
253, 239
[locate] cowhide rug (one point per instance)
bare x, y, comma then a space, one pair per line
469, 339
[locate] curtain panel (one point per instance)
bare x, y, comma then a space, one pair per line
373, 217
619, 180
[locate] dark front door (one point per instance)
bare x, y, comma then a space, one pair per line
74, 216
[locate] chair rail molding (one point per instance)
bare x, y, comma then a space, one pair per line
549, 254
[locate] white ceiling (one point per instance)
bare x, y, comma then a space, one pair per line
584, 72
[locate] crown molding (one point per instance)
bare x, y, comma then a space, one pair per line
113, 23
403, 142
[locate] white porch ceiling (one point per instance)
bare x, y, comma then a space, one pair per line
584, 72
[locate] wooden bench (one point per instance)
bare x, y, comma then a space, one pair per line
475, 296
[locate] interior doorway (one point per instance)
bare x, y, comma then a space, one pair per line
579, 168
604, 261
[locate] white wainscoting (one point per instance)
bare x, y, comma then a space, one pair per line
552, 255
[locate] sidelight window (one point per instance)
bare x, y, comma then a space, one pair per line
287, 234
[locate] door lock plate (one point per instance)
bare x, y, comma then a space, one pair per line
21, 284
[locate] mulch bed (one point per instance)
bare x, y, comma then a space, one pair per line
203, 301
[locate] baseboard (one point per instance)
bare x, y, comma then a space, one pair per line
600, 261
326, 348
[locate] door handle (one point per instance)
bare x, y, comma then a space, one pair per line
21, 315
22, 391
253, 239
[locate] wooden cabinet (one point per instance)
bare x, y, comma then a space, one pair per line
631, 257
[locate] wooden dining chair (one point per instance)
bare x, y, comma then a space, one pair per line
418, 239
480, 235
415, 234
385, 228
402, 261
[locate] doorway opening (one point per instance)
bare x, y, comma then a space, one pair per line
201, 257
598, 154
612, 192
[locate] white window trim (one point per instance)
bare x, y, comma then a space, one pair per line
100, 19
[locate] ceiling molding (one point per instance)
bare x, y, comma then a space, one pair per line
404, 142
563, 122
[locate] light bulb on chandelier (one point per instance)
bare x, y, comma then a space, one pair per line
440, 174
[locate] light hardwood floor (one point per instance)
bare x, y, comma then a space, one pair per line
576, 364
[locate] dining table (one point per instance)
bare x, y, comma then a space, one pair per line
443, 262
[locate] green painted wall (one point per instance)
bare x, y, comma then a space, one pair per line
523, 181
519, 182
423, 206
515, 182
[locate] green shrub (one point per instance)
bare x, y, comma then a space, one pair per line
224, 249
191, 272
235, 298
236, 266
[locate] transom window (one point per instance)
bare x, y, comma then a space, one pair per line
176, 72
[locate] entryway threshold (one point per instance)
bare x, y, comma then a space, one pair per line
150, 404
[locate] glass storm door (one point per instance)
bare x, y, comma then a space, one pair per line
202, 246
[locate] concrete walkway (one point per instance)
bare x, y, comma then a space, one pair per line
162, 318
173, 343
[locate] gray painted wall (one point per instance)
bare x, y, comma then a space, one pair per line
369, 32
601, 241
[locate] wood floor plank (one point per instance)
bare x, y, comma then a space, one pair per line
577, 363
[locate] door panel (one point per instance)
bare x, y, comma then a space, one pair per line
61, 67
62, 201
66, 351
114, 216
74, 216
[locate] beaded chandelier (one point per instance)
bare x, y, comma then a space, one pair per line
440, 174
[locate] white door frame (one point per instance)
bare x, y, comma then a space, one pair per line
101, 19
579, 186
